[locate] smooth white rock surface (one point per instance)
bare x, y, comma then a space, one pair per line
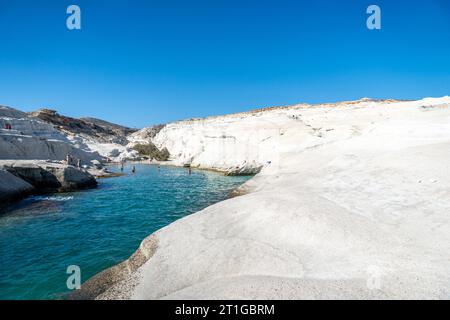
33, 139
353, 201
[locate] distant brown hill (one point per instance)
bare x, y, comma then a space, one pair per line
100, 130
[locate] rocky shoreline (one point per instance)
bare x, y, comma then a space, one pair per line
98, 286
344, 193
21, 178
118, 281
45, 152
350, 203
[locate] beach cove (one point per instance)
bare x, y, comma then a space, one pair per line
351, 202
96, 229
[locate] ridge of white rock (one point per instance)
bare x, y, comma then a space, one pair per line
106, 138
30, 138
352, 201
33, 138
245, 142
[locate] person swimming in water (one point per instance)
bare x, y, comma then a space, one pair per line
134, 169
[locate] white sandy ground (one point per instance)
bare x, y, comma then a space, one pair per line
355, 203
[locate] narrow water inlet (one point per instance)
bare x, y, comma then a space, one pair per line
96, 229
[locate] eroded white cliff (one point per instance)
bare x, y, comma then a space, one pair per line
352, 201
30, 138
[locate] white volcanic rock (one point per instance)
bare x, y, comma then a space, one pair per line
145, 135
353, 201
32, 138
29, 147
23, 124
108, 139
245, 142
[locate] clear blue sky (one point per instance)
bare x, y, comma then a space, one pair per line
143, 62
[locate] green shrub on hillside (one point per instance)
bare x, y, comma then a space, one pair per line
150, 150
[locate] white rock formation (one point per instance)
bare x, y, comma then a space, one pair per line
353, 201
31, 138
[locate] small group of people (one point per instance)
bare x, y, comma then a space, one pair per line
71, 161
8, 126
133, 168
122, 164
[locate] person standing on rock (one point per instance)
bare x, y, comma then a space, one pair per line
79, 163
68, 159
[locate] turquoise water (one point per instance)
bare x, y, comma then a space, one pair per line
98, 228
